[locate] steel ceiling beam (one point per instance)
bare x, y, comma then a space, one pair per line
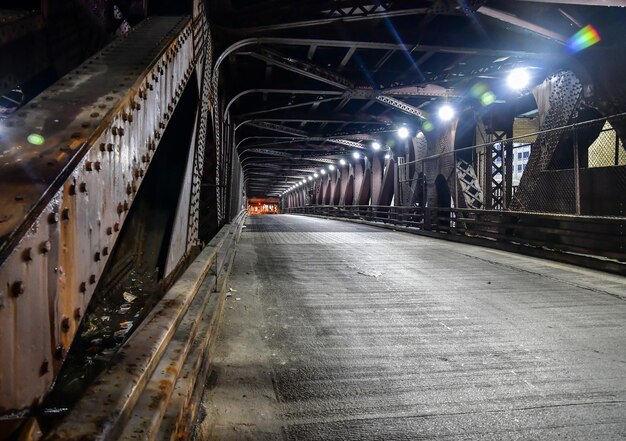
274, 127
291, 106
303, 68
521, 23
609, 3
313, 71
284, 129
289, 155
281, 91
371, 45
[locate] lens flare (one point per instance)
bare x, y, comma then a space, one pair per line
488, 98
478, 90
427, 126
586, 37
403, 132
36, 139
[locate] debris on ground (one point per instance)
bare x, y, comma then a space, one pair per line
370, 274
130, 298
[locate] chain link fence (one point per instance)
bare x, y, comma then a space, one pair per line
578, 169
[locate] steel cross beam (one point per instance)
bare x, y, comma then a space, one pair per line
289, 155
611, 3
304, 68
359, 11
274, 127
400, 105
342, 142
315, 72
516, 21
347, 142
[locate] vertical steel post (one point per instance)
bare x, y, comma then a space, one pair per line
456, 181
616, 147
508, 173
576, 172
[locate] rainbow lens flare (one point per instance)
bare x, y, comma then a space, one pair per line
587, 36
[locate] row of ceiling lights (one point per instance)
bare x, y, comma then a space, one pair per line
376, 146
518, 79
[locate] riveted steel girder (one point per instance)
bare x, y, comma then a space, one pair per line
66, 198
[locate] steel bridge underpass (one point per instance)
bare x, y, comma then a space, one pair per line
312, 219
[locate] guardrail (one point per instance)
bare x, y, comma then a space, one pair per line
151, 390
591, 241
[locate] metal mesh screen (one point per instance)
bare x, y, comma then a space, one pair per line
578, 169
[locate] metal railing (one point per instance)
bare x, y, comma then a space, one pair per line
592, 241
158, 375
568, 170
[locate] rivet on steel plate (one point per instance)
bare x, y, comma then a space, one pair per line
17, 288
65, 214
27, 254
45, 247
45, 368
77, 313
53, 218
92, 279
65, 324
59, 352
82, 187
83, 287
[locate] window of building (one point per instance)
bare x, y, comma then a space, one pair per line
526, 155
519, 167
519, 155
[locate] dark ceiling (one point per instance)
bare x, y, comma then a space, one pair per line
324, 78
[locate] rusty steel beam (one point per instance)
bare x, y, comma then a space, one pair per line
71, 166
133, 394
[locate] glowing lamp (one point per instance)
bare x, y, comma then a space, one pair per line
403, 133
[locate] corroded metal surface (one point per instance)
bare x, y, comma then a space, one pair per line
149, 363
64, 201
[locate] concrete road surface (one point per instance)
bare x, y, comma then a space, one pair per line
338, 331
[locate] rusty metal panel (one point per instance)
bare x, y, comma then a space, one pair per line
203, 49
67, 191
178, 240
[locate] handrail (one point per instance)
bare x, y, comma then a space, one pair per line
165, 336
597, 242
528, 135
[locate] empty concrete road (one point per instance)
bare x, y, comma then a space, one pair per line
339, 331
